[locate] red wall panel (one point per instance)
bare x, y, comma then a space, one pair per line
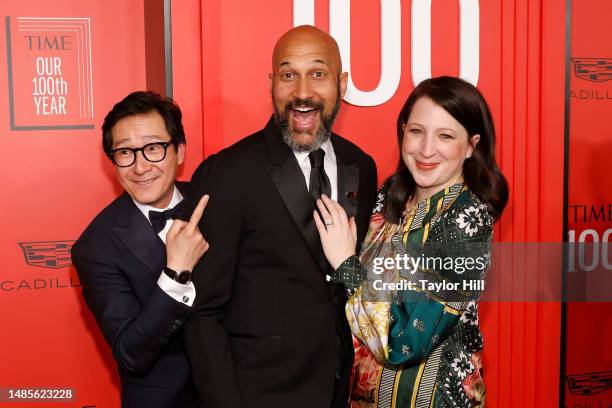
589, 324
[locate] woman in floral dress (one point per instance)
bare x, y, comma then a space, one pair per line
420, 345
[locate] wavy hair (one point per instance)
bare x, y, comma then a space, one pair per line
480, 171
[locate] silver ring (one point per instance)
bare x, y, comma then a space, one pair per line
329, 223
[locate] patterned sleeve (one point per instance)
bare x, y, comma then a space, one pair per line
350, 274
368, 317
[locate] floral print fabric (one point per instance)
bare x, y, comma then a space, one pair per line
425, 350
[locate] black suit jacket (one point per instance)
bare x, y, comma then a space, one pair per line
119, 259
267, 324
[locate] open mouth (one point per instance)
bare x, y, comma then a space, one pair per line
304, 118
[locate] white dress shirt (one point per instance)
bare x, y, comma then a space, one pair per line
181, 293
329, 164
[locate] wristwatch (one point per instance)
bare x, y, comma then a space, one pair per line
182, 277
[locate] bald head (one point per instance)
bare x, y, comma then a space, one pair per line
303, 39
307, 84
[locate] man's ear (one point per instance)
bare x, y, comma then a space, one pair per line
343, 82
180, 152
271, 77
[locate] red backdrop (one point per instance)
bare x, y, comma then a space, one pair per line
56, 180
589, 324
521, 73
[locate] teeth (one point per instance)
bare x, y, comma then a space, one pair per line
304, 109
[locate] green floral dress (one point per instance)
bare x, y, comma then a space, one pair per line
420, 347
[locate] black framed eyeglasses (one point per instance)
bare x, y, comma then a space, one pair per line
126, 156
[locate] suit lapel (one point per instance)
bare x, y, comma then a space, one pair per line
134, 230
288, 178
348, 176
184, 188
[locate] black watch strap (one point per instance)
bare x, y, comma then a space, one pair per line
183, 277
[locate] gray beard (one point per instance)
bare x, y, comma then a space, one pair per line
323, 133
320, 137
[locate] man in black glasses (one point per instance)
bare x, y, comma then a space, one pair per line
134, 260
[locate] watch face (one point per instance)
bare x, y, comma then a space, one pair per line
183, 277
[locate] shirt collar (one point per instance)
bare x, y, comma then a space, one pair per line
327, 147
176, 198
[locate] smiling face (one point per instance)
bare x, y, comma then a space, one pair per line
146, 182
434, 148
306, 86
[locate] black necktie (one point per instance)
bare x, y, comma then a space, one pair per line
319, 182
158, 218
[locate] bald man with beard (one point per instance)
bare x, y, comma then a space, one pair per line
269, 328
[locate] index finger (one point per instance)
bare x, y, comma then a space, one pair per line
197, 212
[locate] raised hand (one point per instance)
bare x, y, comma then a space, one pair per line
185, 245
338, 233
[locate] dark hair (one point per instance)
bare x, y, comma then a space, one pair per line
140, 103
480, 171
